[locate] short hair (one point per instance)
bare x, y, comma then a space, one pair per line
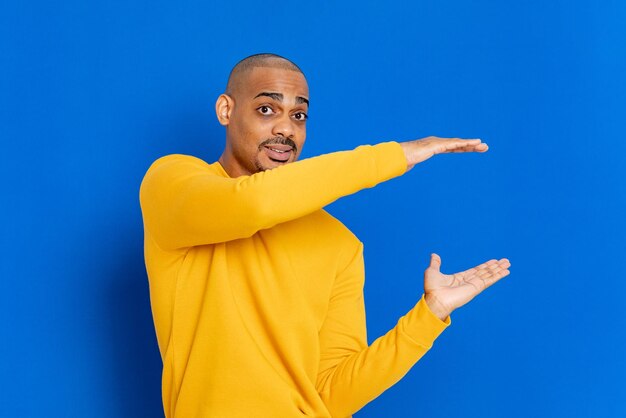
267, 60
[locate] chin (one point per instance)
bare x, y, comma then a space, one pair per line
268, 165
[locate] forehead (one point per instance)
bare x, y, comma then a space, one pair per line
275, 80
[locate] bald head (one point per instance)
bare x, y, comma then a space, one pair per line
245, 66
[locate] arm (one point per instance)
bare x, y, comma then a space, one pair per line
351, 374
184, 204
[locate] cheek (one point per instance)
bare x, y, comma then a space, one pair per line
301, 137
256, 130
245, 135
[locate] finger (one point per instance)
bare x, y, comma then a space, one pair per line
465, 140
459, 143
484, 274
490, 273
474, 270
491, 269
466, 148
486, 264
500, 264
487, 280
448, 144
495, 277
435, 261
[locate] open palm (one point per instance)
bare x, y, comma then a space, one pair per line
446, 292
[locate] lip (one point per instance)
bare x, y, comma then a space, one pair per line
278, 152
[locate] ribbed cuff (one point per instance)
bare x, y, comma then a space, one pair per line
391, 160
421, 325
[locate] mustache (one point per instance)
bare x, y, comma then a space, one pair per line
279, 140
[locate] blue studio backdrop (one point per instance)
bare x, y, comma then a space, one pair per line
92, 92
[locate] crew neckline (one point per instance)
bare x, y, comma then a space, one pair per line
221, 168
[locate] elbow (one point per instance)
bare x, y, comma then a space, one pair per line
336, 407
337, 404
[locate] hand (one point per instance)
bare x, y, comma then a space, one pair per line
422, 149
446, 292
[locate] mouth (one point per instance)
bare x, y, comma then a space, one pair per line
279, 153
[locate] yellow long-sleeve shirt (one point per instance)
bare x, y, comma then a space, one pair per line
257, 293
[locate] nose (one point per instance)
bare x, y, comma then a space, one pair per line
284, 127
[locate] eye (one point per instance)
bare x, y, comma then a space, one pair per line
265, 110
300, 116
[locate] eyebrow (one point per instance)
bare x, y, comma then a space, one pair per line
279, 97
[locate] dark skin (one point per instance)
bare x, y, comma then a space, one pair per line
265, 114
264, 103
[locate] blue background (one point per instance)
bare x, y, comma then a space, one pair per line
92, 92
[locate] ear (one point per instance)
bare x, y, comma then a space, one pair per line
223, 108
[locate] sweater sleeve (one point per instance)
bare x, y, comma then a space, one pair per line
351, 374
184, 203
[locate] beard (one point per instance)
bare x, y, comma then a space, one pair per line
271, 141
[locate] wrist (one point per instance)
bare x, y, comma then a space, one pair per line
406, 147
436, 307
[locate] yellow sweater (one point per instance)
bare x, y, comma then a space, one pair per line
257, 293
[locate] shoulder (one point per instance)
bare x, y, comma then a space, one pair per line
170, 172
172, 161
173, 166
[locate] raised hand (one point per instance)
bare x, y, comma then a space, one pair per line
446, 292
422, 149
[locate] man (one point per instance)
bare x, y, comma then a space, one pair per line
256, 291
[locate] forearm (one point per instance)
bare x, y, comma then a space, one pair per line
364, 375
198, 208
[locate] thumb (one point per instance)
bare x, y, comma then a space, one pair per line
435, 261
